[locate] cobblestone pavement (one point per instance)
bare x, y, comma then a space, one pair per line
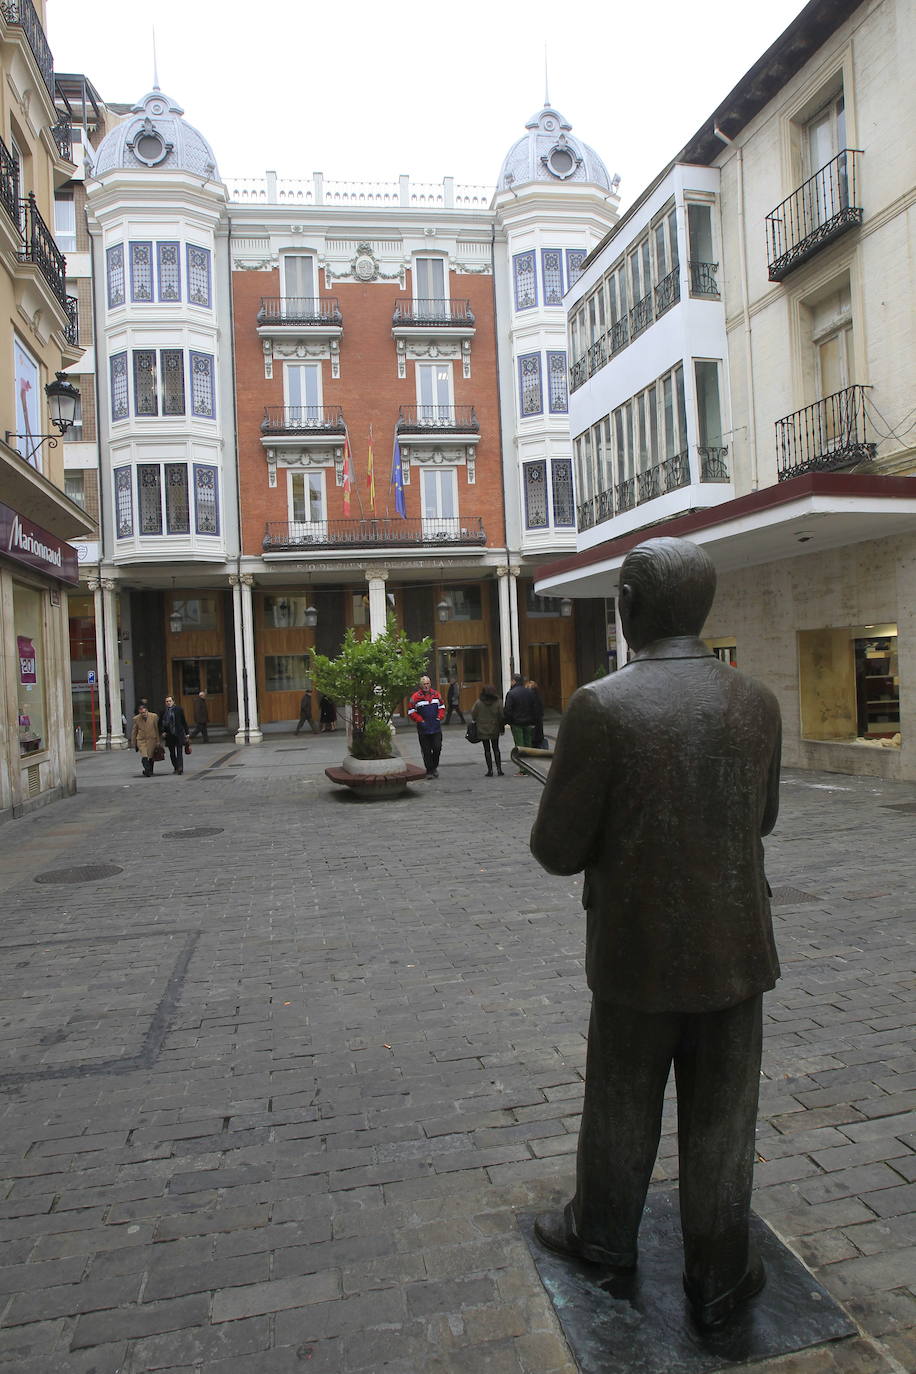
273, 1094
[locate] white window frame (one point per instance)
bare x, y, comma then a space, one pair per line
296, 295
436, 483
311, 480
313, 369
429, 410
425, 258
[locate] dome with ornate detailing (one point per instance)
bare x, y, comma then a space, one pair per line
549, 152
155, 135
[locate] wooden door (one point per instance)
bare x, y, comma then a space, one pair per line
190, 676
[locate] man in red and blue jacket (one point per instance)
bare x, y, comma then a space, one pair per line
428, 710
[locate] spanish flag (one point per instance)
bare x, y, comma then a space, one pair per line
347, 473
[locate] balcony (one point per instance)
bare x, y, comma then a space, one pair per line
824, 207
299, 420
670, 475
62, 134
306, 311
668, 292
435, 313
597, 355
72, 327
703, 280
372, 531
23, 14
438, 420
824, 437
37, 246
641, 315
713, 465
9, 184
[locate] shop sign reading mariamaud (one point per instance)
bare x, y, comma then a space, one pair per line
28, 543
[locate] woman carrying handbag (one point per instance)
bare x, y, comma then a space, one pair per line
487, 715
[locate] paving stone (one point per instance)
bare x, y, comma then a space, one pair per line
284, 1192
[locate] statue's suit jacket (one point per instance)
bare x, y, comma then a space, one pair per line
664, 780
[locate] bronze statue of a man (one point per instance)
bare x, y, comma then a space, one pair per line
664, 780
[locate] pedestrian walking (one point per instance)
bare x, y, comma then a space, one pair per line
453, 701
327, 713
305, 712
489, 717
520, 710
427, 710
201, 717
144, 738
174, 727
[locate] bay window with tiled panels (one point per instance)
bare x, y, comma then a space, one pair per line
548, 497
163, 382
541, 276
158, 272
533, 373
156, 499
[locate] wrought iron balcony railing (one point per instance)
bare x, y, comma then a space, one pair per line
597, 354
668, 292
433, 312
9, 183
585, 514
641, 315
713, 467
675, 471
23, 13
604, 505
72, 327
825, 206
443, 419
625, 493
620, 336
282, 420
578, 373
305, 310
62, 133
38, 246
373, 530
703, 278
825, 436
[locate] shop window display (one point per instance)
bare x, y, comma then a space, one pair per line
287, 673
850, 685
30, 671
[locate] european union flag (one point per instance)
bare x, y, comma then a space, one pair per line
397, 479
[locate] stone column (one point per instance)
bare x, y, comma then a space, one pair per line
514, 571
240, 680
101, 697
505, 628
378, 603
622, 648
117, 739
253, 733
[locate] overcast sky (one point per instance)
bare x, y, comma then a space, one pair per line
365, 91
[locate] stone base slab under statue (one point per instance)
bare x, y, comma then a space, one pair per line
640, 1322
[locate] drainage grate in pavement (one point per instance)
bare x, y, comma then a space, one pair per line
790, 896
192, 832
908, 808
82, 873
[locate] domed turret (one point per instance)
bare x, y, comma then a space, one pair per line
157, 136
548, 152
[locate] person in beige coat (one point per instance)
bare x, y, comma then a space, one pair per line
144, 737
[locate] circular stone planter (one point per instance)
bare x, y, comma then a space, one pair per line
375, 779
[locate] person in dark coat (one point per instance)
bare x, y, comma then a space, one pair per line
327, 713
305, 712
520, 711
174, 727
453, 701
664, 780
487, 713
537, 727
201, 717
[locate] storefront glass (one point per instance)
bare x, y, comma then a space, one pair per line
850, 685
287, 673
31, 668
83, 688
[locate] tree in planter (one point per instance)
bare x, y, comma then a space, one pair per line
371, 676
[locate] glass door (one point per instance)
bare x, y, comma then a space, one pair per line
190, 677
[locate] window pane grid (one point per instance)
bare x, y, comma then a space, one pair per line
119, 390
145, 398
149, 498
172, 365
526, 284
168, 270
141, 271
124, 503
557, 382
564, 507
115, 263
206, 498
177, 509
536, 495
202, 399
552, 274
531, 400
199, 275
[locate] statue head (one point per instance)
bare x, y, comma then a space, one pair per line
666, 590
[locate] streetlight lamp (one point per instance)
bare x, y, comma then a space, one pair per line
566, 607
63, 398
442, 611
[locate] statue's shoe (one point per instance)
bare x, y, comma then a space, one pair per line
711, 1316
556, 1231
